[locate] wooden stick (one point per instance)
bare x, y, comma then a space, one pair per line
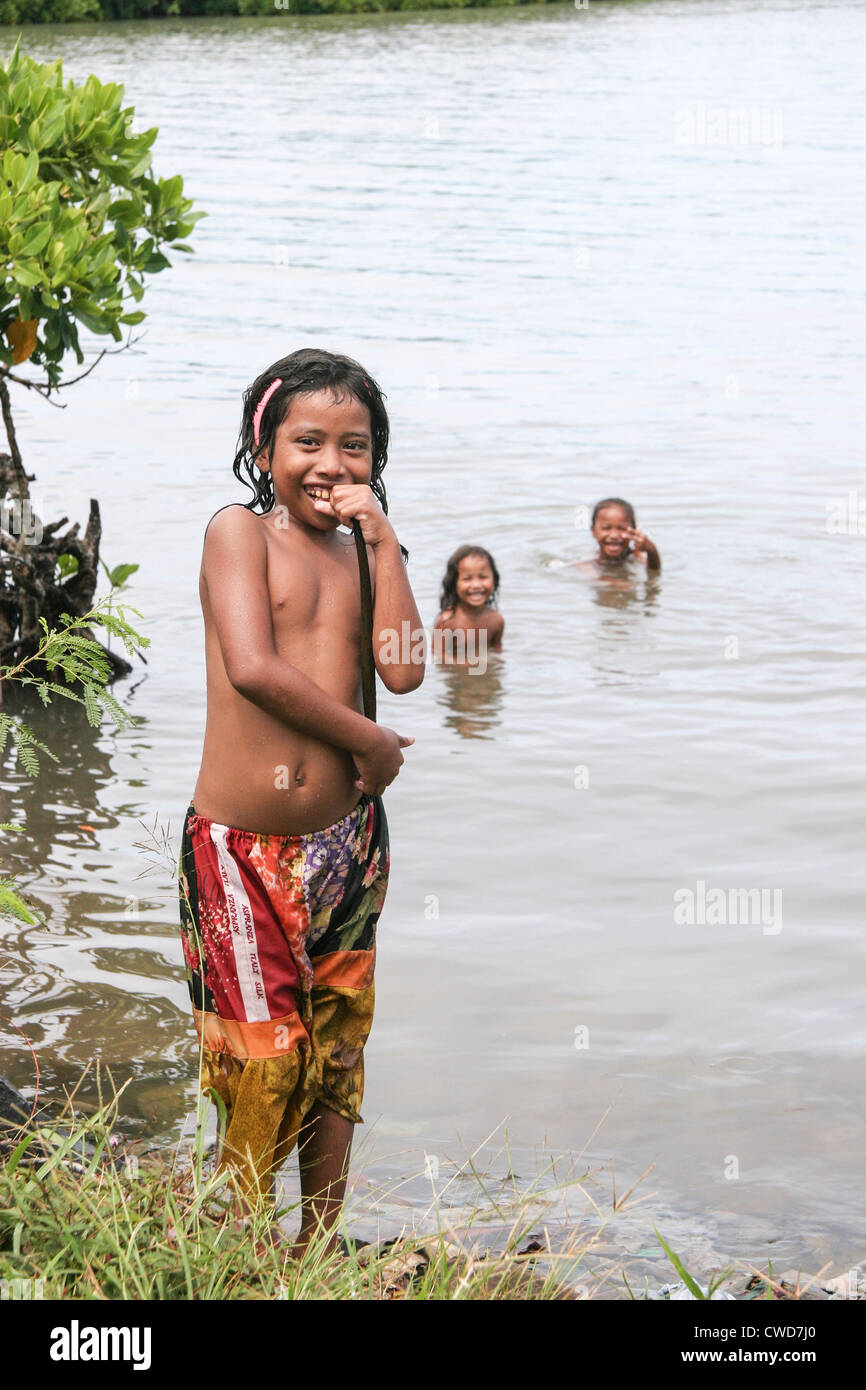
368, 667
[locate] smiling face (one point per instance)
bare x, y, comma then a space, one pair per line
322, 441
611, 528
474, 582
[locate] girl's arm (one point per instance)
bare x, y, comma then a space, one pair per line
644, 547
399, 645
397, 628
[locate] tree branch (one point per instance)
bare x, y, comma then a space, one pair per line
46, 387
43, 387
20, 478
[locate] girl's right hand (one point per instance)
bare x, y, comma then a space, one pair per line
378, 764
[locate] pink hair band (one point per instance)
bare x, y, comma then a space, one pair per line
260, 408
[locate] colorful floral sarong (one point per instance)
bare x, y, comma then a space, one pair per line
279, 940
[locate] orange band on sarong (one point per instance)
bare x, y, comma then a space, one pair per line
345, 969
275, 1037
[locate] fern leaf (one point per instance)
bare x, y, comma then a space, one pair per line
91, 705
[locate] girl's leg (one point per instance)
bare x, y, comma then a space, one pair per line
323, 1157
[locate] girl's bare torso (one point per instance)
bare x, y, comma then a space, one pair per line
487, 620
257, 773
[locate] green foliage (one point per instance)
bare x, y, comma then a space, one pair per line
25, 743
67, 565
83, 666
690, 1282
118, 576
82, 219
13, 906
272, 7
47, 11
42, 11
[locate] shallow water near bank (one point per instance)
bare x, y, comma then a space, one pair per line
513, 220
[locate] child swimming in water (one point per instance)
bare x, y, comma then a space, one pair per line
615, 527
285, 853
469, 589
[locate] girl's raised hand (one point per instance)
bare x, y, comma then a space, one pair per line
640, 543
356, 502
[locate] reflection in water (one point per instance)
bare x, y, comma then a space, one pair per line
90, 979
624, 649
55, 807
620, 590
473, 697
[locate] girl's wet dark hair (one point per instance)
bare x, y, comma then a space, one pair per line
614, 502
301, 373
448, 596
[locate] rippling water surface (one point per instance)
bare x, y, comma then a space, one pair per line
511, 218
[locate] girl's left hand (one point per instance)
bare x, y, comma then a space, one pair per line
640, 544
356, 502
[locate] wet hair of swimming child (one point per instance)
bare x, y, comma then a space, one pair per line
301, 373
614, 502
448, 595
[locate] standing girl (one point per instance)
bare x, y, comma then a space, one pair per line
285, 857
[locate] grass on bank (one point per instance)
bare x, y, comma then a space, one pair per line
81, 1218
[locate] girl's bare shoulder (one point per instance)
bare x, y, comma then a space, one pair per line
234, 519
445, 619
233, 532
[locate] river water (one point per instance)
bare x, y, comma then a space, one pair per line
613, 250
